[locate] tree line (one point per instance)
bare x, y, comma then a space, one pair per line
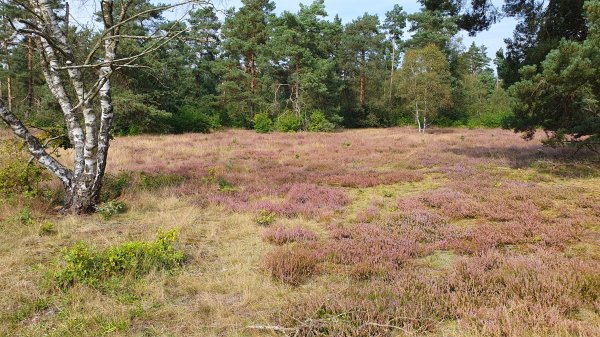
286, 67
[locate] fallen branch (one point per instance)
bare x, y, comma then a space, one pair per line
387, 326
275, 328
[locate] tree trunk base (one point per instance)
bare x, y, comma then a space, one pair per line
79, 203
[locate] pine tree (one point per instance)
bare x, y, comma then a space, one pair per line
564, 97
303, 66
245, 34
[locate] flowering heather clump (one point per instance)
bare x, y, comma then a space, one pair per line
424, 220
452, 204
292, 264
491, 294
369, 179
306, 200
280, 235
491, 235
424, 226
371, 244
514, 295
368, 215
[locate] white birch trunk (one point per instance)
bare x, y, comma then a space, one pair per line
106, 106
417, 116
89, 136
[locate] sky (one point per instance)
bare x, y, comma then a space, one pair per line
348, 10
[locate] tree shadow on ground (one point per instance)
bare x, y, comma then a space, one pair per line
564, 162
440, 131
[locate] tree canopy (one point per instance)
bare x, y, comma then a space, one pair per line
223, 72
563, 97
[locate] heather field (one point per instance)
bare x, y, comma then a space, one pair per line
357, 233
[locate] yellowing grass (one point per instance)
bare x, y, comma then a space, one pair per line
465, 275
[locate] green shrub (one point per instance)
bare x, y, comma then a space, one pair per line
84, 264
24, 217
113, 186
265, 218
320, 123
47, 228
262, 123
192, 118
372, 120
17, 174
287, 122
158, 181
225, 186
489, 120
111, 208
138, 114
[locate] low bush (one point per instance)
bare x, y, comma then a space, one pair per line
114, 185
280, 235
84, 264
265, 218
225, 186
47, 228
24, 217
17, 174
489, 120
111, 208
287, 122
191, 118
262, 123
138, 115
292, 265
158, 181
320, 123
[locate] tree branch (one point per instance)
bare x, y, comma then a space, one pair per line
113, 29
35, 148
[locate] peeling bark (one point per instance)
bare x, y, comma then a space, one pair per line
107, 111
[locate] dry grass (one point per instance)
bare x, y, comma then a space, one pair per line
373, 233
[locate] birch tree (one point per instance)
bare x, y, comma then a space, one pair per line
425, 83
81, 85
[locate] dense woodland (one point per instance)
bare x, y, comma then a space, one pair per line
309, 70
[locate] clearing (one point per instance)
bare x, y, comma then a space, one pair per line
358, 233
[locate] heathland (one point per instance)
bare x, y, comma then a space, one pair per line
355, 233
